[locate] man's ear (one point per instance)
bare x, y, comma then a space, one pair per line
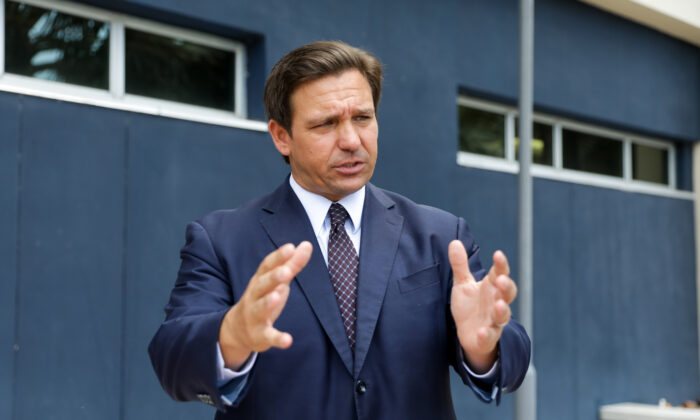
280, 137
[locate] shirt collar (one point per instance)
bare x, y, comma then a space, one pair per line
317, 206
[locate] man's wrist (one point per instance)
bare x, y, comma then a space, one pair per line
480, 364
233, 353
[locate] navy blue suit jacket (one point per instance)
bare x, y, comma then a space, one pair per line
406, 338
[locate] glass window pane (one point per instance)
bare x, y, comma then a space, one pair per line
481, 132
541, 143
177, 70
56, 46
649, 164
592, 153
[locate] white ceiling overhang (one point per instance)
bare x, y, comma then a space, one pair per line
678, 18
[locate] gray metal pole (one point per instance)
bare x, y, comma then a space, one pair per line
696, 188
526, 396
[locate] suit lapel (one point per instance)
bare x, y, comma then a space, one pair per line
381, 230
285, 221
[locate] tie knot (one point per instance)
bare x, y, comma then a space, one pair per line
338, 215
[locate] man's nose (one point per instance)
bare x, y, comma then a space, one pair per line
348, 136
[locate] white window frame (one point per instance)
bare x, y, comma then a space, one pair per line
116, 97
2, 38
557, 170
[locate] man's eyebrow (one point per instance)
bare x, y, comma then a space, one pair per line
322, 119
334, 116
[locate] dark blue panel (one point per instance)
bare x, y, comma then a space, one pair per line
257, 75
70, 259
600, 66
488, 201
555, 346
486, 46
615, 303
589, 64
660, 268
10, 108
632, 284
178, 171
418, 138
684, 166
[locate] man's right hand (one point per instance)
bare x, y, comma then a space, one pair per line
248, 326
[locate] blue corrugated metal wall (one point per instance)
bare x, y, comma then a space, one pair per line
94, 201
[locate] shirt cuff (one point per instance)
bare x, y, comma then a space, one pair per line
225, 375
488, 378
484, 376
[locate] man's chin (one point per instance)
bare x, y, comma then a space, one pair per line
344, 189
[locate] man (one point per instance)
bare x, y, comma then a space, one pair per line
360, 319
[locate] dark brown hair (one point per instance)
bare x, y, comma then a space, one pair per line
314, 61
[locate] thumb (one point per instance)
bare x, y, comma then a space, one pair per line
459, 262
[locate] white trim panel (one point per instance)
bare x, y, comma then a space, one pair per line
241, 83
678, 18
487, 162
486, 106
627, 160
509, 141
2, 37
102, 98
116, 97
80, 10
116, 59
636, 411
188, 35
557, 171
672, 172
557, 147
473, 160
144, 25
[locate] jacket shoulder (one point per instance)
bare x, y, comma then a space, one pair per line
413, 211
224, 224
226, 217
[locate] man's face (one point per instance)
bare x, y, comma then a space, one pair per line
332, 146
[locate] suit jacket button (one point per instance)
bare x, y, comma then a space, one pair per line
205, 398
360, 387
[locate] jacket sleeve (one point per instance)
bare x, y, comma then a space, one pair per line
513, 347
183, 350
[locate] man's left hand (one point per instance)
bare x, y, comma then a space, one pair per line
480, 308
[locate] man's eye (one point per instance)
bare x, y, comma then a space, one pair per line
323, 124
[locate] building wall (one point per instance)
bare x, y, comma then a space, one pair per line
95, 201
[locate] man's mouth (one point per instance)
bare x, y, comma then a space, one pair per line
350, 168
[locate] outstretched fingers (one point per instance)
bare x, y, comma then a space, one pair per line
276, 338
488, 336
507, 288
275, 258
299, 258
271, 272
268, 307
279, 267
500, 263
501, 314
459, 260
499, 276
